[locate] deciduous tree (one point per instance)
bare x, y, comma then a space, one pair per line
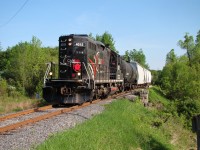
138, 56
108, 40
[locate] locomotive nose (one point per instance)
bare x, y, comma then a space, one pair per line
48, 93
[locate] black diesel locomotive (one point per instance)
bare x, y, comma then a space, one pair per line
88, 70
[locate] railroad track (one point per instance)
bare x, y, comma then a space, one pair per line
55, 112
3, 118
52, 113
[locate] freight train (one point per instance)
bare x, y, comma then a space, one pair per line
88, 69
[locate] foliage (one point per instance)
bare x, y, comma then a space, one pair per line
187, 44
16, 102
180, 78
155, 77
3, 87
171, 57
138, 56
107, 39
23, 65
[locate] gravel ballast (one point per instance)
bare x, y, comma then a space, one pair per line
30, 136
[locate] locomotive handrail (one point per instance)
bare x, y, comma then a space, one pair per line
87, 73
47, 72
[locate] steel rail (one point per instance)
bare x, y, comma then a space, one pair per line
3, 118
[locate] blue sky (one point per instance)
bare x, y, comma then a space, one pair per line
155, 26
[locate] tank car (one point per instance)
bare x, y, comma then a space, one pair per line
143, 76
129, 74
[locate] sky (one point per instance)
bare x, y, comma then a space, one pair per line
155, 26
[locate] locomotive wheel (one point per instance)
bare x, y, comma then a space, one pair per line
90, 101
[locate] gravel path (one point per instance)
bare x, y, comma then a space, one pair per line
30, 136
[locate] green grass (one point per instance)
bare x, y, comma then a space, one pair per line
156, 96
125, 125
18, 103
174, 125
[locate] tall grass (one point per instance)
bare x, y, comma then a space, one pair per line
18, 103
166, 109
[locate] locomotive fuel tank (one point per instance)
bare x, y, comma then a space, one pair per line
129, 72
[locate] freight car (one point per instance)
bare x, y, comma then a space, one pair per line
88, 70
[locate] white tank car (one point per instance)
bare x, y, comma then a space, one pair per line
143, 75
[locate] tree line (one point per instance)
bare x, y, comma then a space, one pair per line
22, 67
180, 78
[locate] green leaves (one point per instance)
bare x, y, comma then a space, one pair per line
171, 57
24, 65
138, 56
180, 77
107, 39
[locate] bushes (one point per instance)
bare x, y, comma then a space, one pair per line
180, 79
22, 68
23, 65
3, 87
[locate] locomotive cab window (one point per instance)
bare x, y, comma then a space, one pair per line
113, 60
91, 46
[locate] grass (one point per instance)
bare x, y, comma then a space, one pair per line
121, 126
180, 137
18, 103
125, 125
